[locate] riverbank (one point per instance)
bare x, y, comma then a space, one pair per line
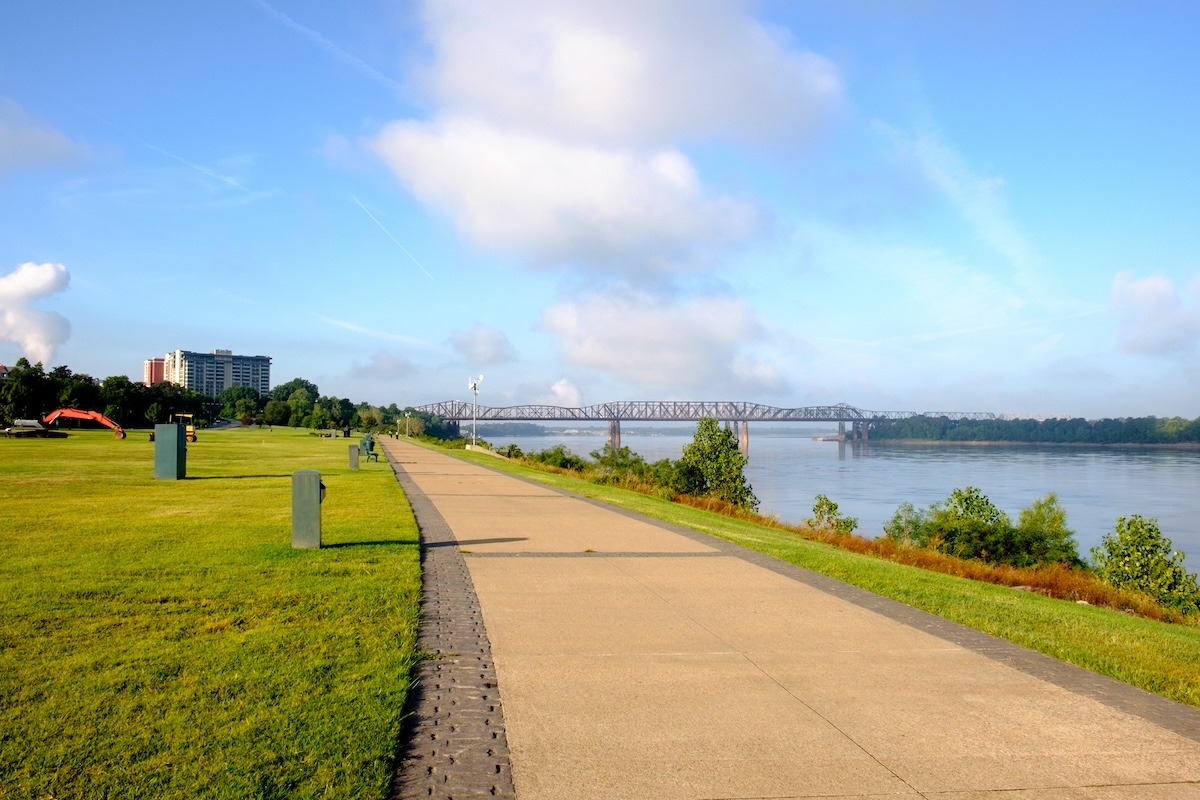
1156, 656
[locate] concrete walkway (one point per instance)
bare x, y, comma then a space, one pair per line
636, 660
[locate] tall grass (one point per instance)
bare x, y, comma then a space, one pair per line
162, 638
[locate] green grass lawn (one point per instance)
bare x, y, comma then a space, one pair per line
1159, 657
162, 638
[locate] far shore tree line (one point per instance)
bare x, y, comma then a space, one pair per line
1126, 430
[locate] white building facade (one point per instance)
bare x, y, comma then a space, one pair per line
213, 373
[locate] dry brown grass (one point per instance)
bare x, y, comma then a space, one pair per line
1052, 580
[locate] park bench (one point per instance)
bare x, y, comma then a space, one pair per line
368, 448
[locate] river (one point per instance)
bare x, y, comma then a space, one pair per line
1095, 485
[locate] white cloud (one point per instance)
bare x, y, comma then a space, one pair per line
626, 70
559, 126
26, 143
385, 366
684, 346
564, 393
1154, 320
561, 202
482, 345
36, 332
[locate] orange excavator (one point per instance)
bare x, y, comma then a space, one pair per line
79, 413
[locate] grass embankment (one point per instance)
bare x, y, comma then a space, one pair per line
1156, 656
162, 638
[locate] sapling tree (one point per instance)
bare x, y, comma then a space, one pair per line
714, 466
1137, 556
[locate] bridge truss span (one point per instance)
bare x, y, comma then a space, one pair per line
735, 413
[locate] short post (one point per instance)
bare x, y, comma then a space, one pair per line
170, 452
307, 494
353, 456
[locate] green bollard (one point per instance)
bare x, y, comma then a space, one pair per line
307, 494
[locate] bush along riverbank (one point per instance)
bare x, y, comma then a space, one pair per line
1135, 571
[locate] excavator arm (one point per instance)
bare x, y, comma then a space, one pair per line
80, 413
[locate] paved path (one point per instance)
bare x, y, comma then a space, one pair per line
637, 660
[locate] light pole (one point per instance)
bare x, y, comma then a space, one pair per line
473, 385
407, 417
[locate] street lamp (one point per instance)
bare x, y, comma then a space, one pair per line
473, 385
407, 417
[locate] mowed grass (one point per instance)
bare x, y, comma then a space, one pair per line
1159, 657
162, 638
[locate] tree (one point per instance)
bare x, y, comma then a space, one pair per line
827, 517
284, 390
234, 401
277, 412
714, 466
1136, 556
27, 392
1043, 535
969, 525
300, 401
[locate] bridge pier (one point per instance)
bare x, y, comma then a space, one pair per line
614, 434
841, 430
741, 432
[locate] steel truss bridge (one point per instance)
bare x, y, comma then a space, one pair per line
736, 414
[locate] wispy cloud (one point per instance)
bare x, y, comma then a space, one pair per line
1154, 317
483, 345
28, 143
374, 219
328, 46
978, 198
354, 327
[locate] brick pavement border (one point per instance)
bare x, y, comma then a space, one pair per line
453, 744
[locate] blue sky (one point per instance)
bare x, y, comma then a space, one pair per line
940, 206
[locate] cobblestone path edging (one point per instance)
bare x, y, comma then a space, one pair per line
454, 745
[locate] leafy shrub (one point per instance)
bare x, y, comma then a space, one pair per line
968, 525
826, 516
1042, 533
1136, 556
558, 456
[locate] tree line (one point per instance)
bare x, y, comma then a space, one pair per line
1126, 430
31, 392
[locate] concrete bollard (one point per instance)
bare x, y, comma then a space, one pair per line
353, 456
170, 452
307, 494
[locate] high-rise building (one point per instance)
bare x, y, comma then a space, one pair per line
153, 371
213, 373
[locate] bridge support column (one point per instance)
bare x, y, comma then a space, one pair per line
745, 437
614, 434
841, 430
